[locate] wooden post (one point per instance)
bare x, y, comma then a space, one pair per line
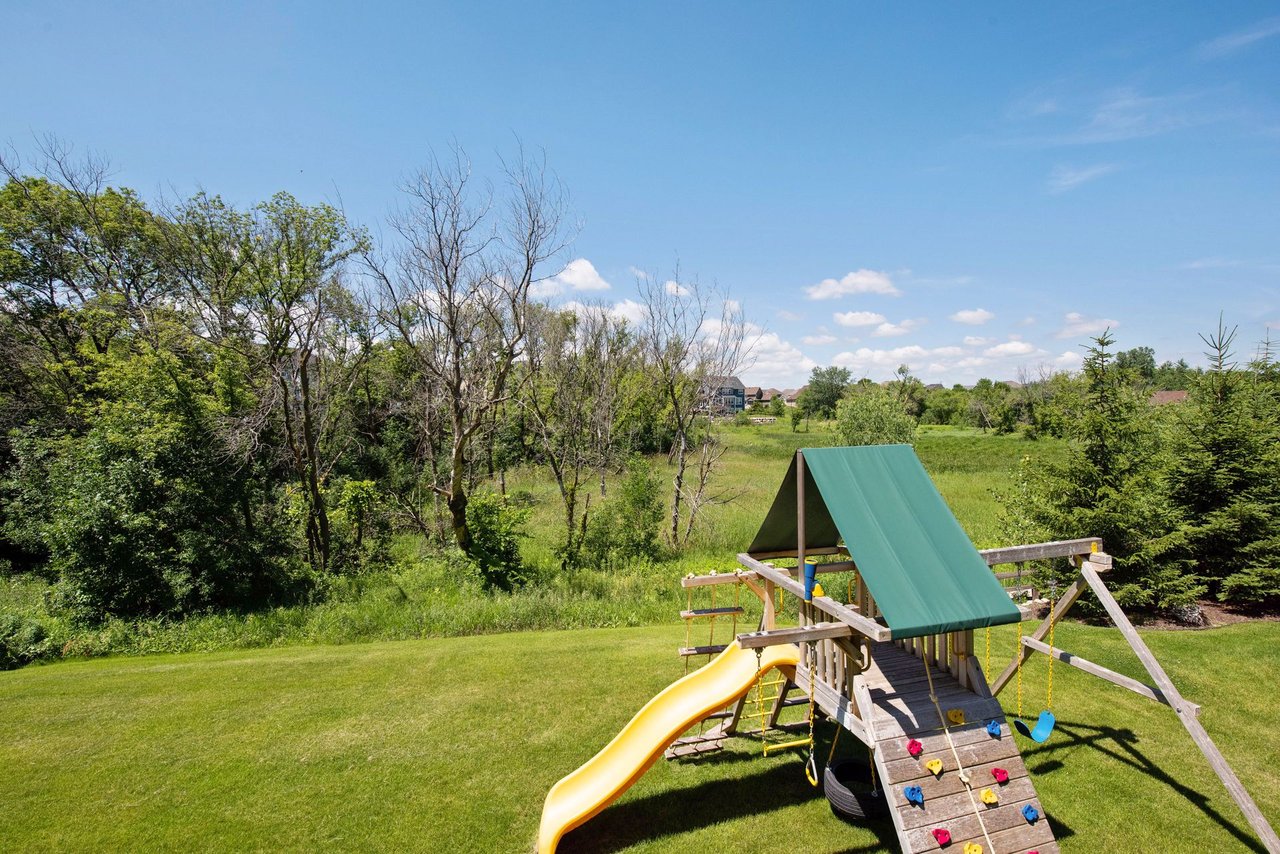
800, 532
1185, 714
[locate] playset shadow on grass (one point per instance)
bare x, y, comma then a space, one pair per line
895, 665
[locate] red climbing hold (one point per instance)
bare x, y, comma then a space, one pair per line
1001, 775
942, 835
914, 747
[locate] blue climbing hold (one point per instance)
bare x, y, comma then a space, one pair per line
914, 795
1044, 727
993, 728
1030, 813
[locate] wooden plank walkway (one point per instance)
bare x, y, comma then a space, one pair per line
897, 689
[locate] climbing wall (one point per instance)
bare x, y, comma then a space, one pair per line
903, 713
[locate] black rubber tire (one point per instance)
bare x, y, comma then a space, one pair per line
856, 803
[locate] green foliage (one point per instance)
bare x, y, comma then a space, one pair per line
826, 387
497, 526
22, 640
626, 528
1109, 486
871, 415
778, 406
1224, 477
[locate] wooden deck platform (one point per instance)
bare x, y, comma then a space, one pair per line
898, 689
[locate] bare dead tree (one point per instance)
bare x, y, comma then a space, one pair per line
456, 292
690, 352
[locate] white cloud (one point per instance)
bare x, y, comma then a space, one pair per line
638, 273
1010, 348
1068, 360
674, 288
858, 318
972, 362
731, 305
972, 316
578, 275
1029, 320
1232, 42
858, 282
818, 340
1065, 178
976, 341
630, 310
1075, 324
890, 330
789, 315
775, 362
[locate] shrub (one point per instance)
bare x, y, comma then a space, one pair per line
626, 527
873, 416
496, 530
22, 640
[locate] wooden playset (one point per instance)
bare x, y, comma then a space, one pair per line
895, 665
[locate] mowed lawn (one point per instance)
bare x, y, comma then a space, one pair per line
451, 745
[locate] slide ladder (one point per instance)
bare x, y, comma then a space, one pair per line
898, 691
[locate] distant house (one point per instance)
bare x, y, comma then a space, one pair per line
1161, 398
753, 394
792, 395
728, 396
768, 394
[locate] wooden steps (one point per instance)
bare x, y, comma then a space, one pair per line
710, 649
901, 709
710, 612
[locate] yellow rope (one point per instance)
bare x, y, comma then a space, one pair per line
1049, 698
964, 777
986, 664
810, 767
1017, 654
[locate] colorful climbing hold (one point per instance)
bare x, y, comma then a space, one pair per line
914, 747
993, 728
956, 716
934, 766
1030, 813
914, 795
942, 835
989, 797
972, 848
1001, 775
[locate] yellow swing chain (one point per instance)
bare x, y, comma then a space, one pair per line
986, 664
810, 765
1017, 654
1049, 698
764, 743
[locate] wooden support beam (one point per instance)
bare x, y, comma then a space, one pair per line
1055, 613
718, 578
1039, 551
1103, 673
799, 634
1193, 726
826, 604
825, 550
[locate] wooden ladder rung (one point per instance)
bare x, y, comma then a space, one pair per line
713, 649
710, 612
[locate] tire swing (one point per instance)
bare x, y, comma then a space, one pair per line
851, 787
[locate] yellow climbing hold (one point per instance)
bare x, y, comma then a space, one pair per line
817, 590
989, 797
972, 848
934, 766
956, 716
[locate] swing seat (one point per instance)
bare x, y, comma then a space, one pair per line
1043, 729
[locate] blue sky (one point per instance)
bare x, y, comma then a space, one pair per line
969, 189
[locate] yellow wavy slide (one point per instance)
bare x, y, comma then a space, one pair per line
680, 705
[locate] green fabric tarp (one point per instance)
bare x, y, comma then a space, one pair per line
925, 574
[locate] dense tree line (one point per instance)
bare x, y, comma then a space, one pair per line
204, 406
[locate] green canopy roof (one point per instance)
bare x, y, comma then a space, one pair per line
912, 554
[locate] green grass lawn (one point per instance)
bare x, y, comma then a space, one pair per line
451, 745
